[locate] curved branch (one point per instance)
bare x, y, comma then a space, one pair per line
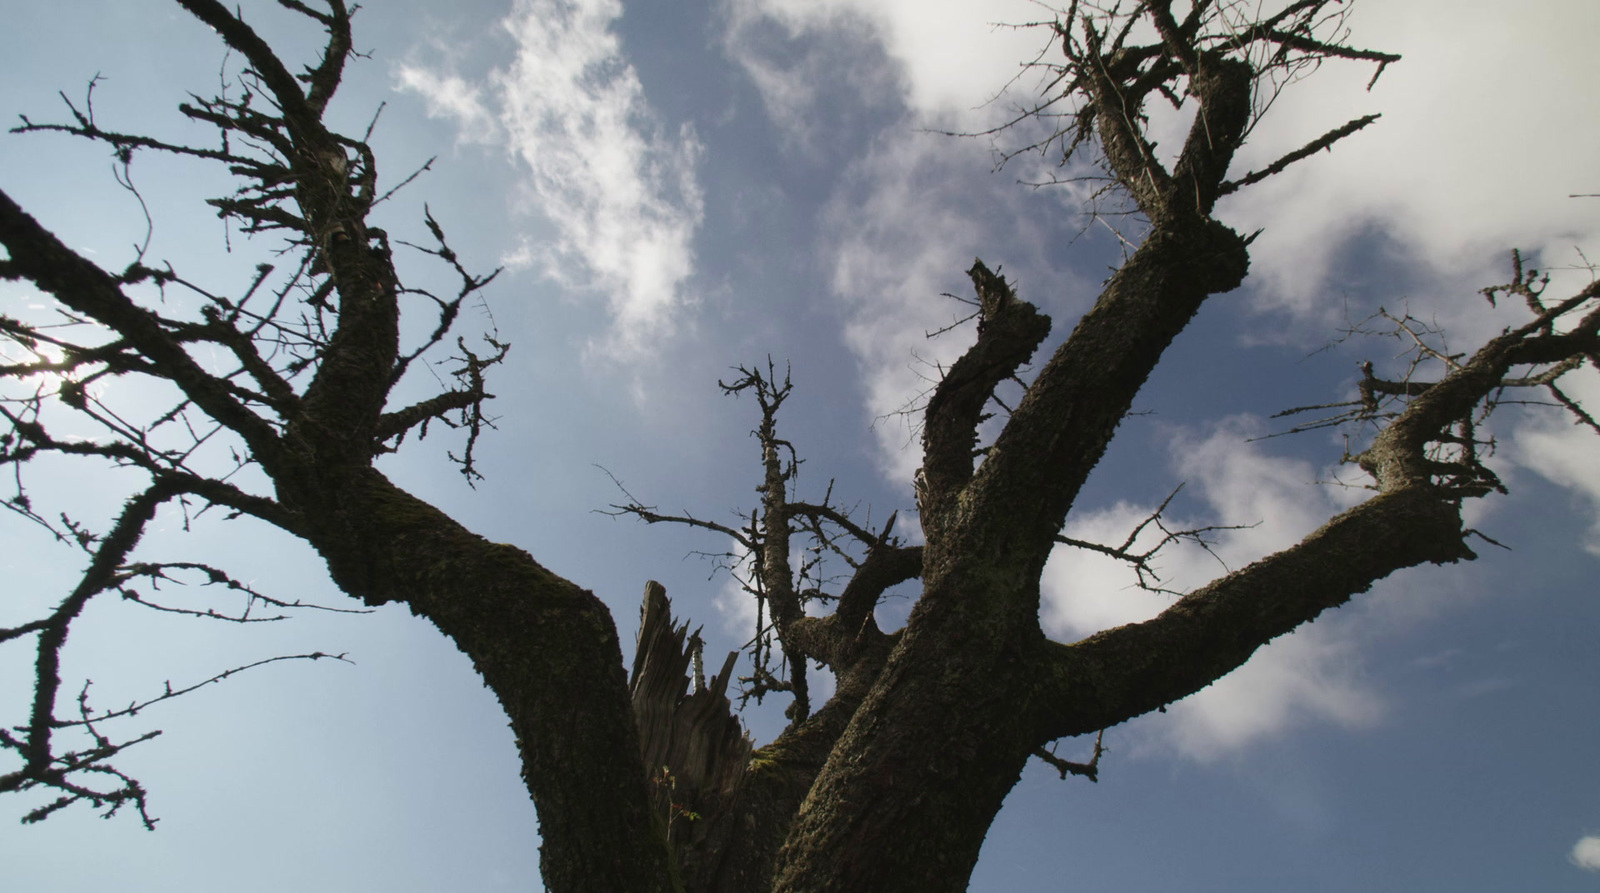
1009, 331
110, 554
1121, 673
884, 567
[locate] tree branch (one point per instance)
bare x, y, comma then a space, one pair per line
39, 257
1116, 675
1009, 330
1325, 141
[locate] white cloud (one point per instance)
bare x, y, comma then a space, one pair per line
1310, 675
1300, 678
1488, 125
774, 42
909, 216
620, 190
912, 211
902, 230
1586, 853
949, 57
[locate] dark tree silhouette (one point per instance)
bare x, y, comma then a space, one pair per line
651, 785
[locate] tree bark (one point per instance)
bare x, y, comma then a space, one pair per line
547, 648
914, 783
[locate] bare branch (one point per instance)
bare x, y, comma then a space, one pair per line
1089, 770
1142, 560
89, 718
1324, 142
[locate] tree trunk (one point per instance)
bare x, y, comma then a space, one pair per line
907, 797
547, 648
728, 809
694, 750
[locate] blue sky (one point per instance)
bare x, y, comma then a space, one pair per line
678, 189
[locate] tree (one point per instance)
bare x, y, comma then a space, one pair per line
893, 782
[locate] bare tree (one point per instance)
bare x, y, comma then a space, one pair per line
892, 783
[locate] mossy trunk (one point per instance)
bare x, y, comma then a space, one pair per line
909, 792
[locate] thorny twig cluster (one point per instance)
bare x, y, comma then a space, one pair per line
1139, 51
1143, 561
790, 582
200, 389
1104, 42
1536, 356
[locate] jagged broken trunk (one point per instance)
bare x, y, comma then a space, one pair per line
693, 748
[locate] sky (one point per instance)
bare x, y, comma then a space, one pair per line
677, 189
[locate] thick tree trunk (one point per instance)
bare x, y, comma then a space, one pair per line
918, 776
547, 649
740, 842
727, 809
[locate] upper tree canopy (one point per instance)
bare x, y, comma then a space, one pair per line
291, 396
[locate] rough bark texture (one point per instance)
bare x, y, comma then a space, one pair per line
728, 807
546, 647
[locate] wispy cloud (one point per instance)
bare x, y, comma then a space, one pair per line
740, 614
619, 187
452, 96
914, 207
776, 45
898, 244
